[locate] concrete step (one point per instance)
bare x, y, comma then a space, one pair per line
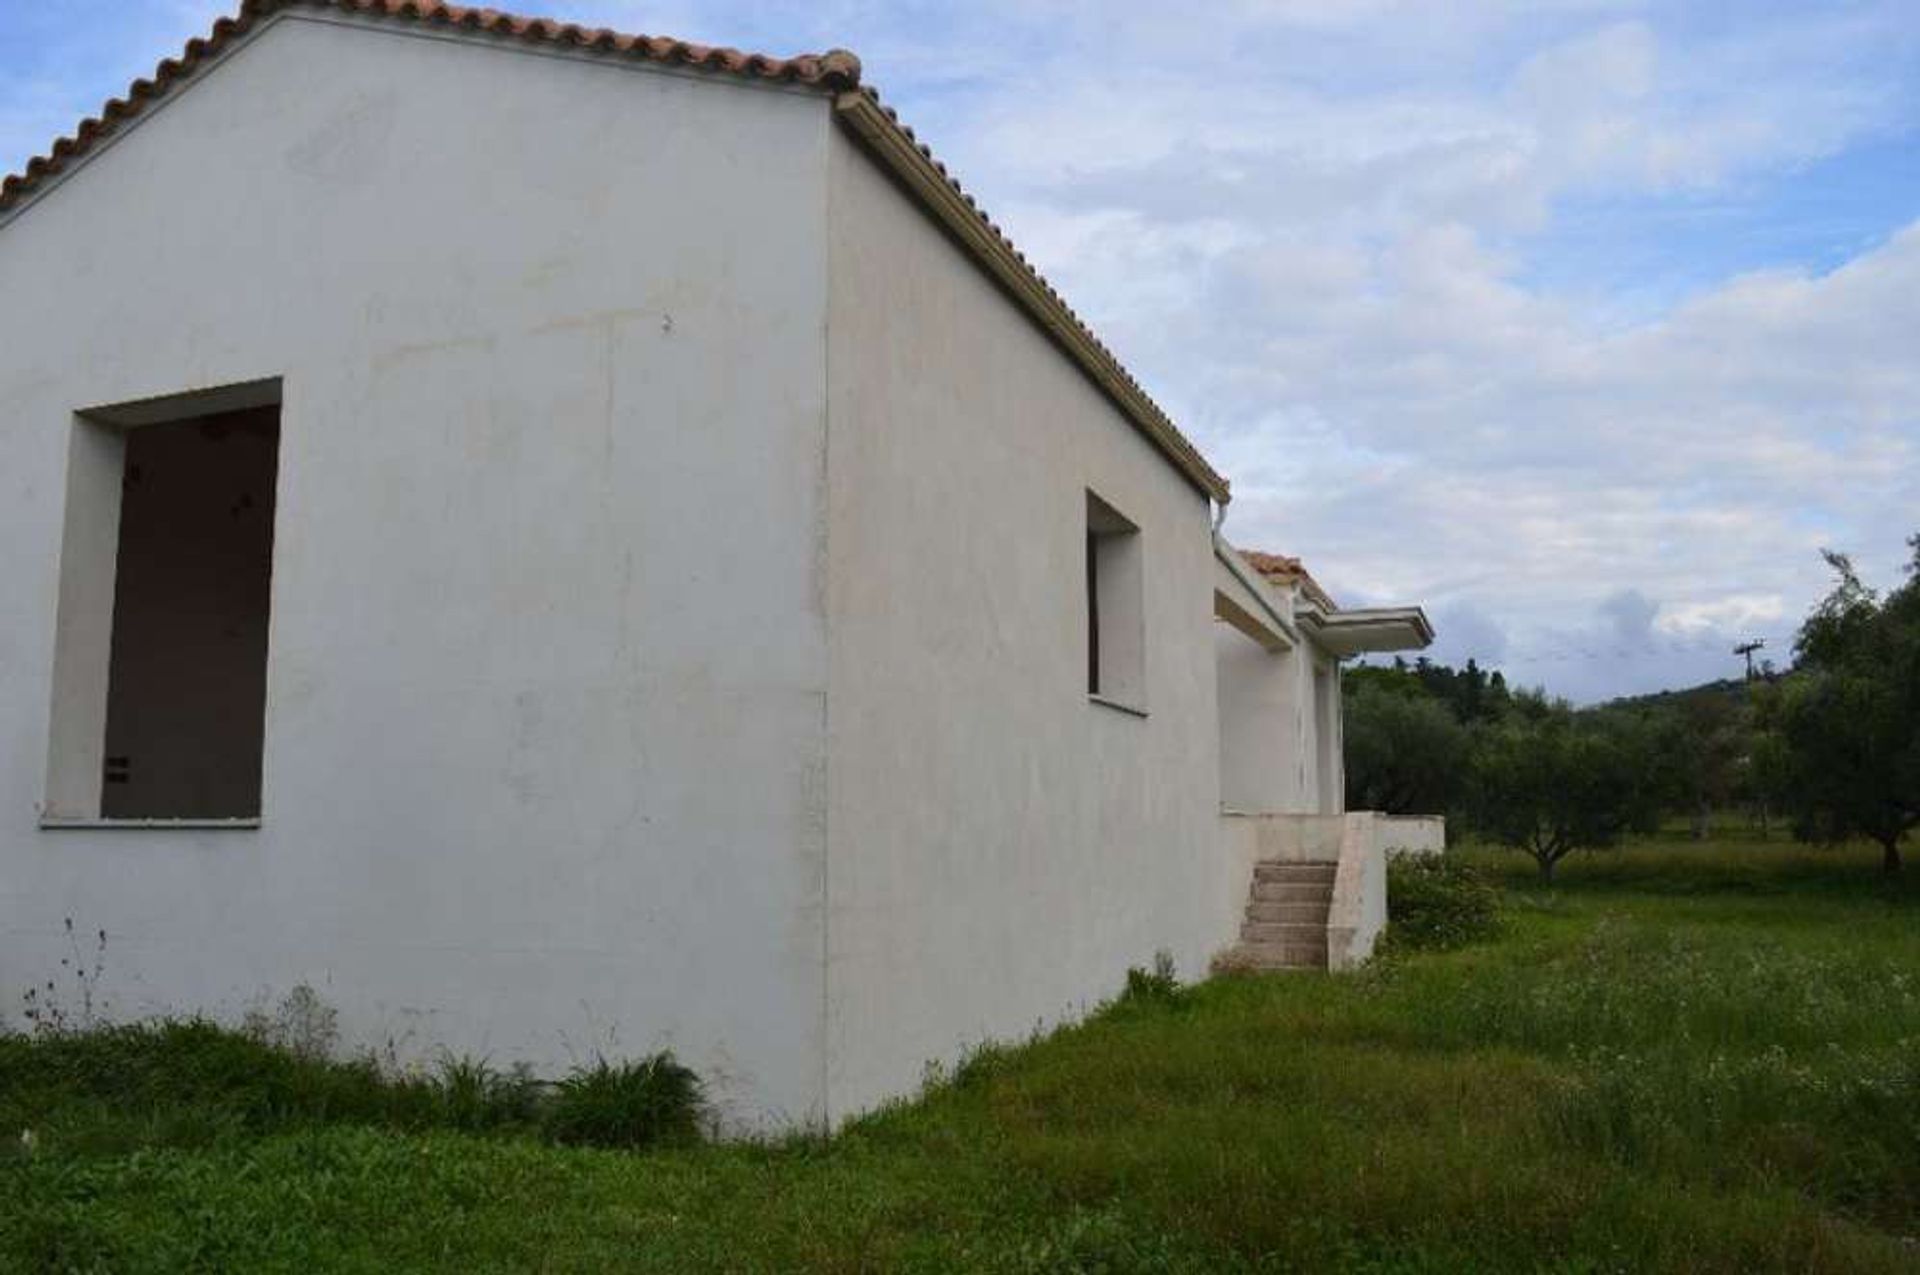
1263, 957
1288, 911
1295, 873
1291, 892
1284, 934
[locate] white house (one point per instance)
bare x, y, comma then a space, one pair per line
570, 543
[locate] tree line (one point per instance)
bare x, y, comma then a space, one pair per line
1831, 747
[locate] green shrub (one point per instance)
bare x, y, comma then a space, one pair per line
643, 1103
1436, 902
474, 1096
1158, 985
190, 1082
194, 1070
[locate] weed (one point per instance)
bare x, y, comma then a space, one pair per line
474, 1096
44, 1008
643, 1103
979, 1066
302, 1024
1156, 986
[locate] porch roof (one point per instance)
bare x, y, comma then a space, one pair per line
1368, 630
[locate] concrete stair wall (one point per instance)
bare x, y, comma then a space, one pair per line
1286, 918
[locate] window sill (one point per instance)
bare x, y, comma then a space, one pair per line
1119, 706
149, 825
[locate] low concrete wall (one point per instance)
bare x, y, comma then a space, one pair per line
1411, 834
1359, 912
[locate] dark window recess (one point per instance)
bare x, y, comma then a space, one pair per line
1093, 615
187, 676
1116, 667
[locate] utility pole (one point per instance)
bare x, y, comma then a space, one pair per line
1747, 649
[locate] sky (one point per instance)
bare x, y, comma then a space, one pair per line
1585, 325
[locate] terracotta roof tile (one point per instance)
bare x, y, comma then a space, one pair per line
1281, 569
1274, 565
836, 71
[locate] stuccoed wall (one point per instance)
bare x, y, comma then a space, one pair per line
544, 760
1267, 726
1281, 838
1001, 848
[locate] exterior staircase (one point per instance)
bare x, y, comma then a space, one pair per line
1286, 922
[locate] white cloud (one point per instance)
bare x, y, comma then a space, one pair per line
1734, 613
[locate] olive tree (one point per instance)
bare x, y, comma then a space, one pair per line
1849, 717
1548, 783
1405, 753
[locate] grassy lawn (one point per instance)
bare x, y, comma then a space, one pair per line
1681, 1058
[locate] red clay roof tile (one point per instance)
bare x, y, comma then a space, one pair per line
836, 70
1281, 569
1276, 565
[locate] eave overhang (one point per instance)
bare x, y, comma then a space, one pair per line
1367, 630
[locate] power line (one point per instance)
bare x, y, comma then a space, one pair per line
1564, 652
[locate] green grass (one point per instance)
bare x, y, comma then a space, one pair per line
1684, 1057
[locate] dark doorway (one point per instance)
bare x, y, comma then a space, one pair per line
187, 678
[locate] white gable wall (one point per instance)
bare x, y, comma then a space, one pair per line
1001, 847
544, 747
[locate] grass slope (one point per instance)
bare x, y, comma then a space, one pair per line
1682, 1058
